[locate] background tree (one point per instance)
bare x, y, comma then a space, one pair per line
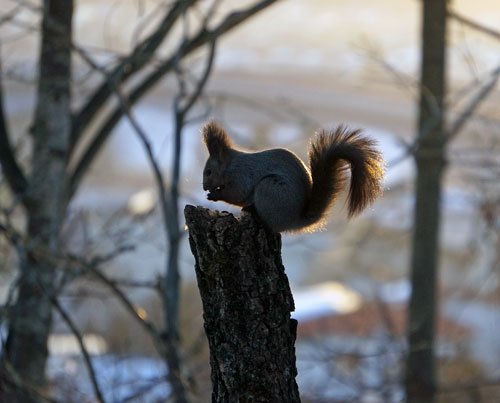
430, 162
435, 133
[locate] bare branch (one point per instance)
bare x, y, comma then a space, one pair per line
401, 79
475, 25
128, 283
92, 268
284, 110
152, 160
472, 106
15, 380
148, 326
13, 237
10, 167
142, 53
142, 136
201, 38
86, 357
9, 16
188, 104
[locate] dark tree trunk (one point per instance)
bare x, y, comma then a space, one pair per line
247, 303
30, 320
430, 161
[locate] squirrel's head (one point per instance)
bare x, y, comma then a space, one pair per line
219, 147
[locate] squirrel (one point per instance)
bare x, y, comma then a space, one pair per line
281, 189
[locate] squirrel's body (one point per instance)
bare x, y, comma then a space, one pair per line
285, 193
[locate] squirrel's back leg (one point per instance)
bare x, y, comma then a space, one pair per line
279, 203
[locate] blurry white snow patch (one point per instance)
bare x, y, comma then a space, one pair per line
285, 133
67, 344
330, 298
394, 292
121, 379
141, 202
158, 125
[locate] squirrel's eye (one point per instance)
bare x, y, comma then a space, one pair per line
208, 172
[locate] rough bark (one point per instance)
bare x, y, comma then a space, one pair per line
31, 317
430, 161
247, 303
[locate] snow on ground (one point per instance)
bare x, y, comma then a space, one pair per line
324, 299
134, 379
484, 319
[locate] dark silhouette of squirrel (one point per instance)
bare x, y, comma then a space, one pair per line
280, 188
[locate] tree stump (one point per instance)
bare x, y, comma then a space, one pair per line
246, 307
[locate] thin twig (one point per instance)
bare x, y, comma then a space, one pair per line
474, 103
475, 25
145, 324
86, 356
121, 282
195, 95
10, 15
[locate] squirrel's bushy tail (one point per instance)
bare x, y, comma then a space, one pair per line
330, 156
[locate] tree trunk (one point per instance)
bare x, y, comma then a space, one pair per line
430, 161
247, 303
31, 317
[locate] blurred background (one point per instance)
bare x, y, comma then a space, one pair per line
293, 67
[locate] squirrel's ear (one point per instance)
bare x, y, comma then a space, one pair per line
216, 139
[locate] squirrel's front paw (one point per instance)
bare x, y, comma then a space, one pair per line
211, 196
